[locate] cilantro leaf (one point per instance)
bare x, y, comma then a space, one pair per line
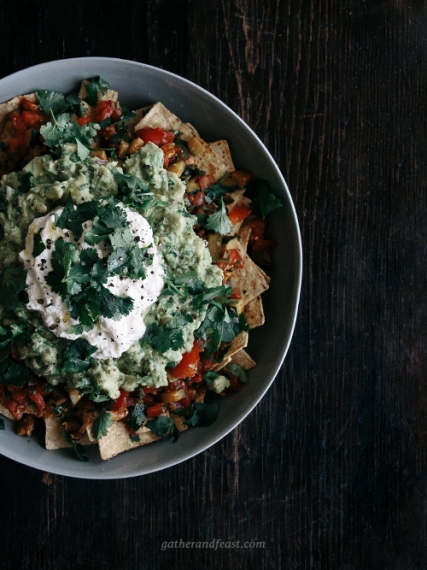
162, 338
64, 277
202, 415
73, 217
219, 222
112, 306
17, 374
218, 189
265, 202
52, 101
78, 448
101, 424
163, 426
63, 130
238, 371
77, 356
137, 417
95, 89
12, 284
39, 245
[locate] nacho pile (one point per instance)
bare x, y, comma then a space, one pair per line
227, 210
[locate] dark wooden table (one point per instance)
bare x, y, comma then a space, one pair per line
330, 470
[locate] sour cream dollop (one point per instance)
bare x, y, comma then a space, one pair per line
111, 337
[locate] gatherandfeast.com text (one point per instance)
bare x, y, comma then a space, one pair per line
213, 544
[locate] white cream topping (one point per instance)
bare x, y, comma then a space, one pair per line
111, 337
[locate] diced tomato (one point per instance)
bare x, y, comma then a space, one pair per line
17, 410
237, 294
185, 402
32, 120
108, 132
121, 402
169, 153
157, 136
18, 146
37, 398
239, 213
257, 229
17, 122
231, 259
205, 181
149, 390
154, 411
197, 199
19, 395
83, 120
103, 110
196, 379
29, 105
187, 368
116, 114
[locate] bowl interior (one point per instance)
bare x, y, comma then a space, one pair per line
139, 85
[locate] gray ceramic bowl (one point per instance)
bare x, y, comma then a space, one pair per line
138, 85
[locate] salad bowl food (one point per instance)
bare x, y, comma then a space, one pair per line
151, 268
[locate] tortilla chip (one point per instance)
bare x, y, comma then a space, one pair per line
243, 359
109, 95
13, 105
160, 117
54, 437
118, 440
206, 158
5, 412
254, 313
200, 396
223, 150
221, 364
250, 280
244, 234
239, 342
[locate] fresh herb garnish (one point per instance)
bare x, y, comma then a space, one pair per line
163, 426
63, 130
95, 89
12, 284
101, 424
238, 371
78, 448
17, 374
137, 416
73, 217
219, 222
202, 415
77, 356
264, 202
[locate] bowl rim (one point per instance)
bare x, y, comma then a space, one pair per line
207, 441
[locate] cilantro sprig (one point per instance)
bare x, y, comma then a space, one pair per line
219, 221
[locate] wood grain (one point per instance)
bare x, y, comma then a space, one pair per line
330, 469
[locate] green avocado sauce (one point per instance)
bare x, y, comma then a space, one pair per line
171, 320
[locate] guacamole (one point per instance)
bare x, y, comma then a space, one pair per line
44, 186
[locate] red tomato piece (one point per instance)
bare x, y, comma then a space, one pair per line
29, 105
32, 120
122, 401
154, 411
239, 213
83, 120
157, 136
187, 368
205, 181
37, 398
197, 199
103, 110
